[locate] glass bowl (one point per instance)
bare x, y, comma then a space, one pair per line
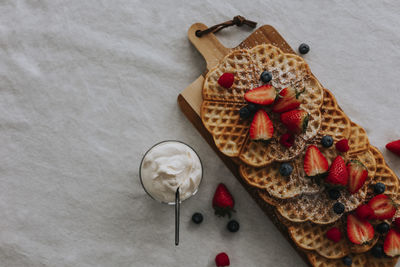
141, 176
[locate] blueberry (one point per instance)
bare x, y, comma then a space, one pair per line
379, 188
285, 169
266, 76
304, 48
334, 194
197, 218
327, 141
244, 113
382, 228
347, 261
338, 208
233, 226
377, 251
252, 107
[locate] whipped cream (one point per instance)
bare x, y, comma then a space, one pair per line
170, 165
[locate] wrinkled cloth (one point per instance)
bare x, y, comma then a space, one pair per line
87, 87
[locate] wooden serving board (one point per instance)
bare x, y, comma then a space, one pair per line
190, 100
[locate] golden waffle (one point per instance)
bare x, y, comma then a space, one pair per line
317, 207
240, 65
286, 69
278, 186
313, 237
359, 260
334, 122
257, 155
358, 140
222, 120
297, 183
311, 101
384, 175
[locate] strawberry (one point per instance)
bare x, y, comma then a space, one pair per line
364, 212
295, 120
263, 95
391, 245
222, 259
343, 145
315, 164
226, 80
359, 231
397, 223
287, 99
394, 147
287, 140
223, 202
383, 207
261, 128
334, 234
358, 173
338, 174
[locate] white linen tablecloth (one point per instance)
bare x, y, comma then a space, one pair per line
87, 86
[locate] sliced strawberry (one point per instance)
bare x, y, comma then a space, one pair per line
315, 164
394, 147
226, 80
296, 120
263, 95
287, 99
223, 202
359, 231
338, 174
358, 173
261, 128
383, 207
391, 245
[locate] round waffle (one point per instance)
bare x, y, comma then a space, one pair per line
359, 260
222, 120
238, 63
316, 206
246, 66
311, 236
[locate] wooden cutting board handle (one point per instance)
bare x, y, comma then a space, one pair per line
208, 45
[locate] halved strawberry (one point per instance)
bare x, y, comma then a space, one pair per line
358, 173
359, 231
287, 99
383, 207
263, 95
337, 174
315, 164
261, 128
391, 245
296, 120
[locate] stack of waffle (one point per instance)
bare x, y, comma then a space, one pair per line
302, 205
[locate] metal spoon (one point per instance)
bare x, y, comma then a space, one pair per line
177, 209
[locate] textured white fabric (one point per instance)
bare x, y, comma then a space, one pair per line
87, 86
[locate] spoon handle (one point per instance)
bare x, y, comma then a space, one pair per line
177, 209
